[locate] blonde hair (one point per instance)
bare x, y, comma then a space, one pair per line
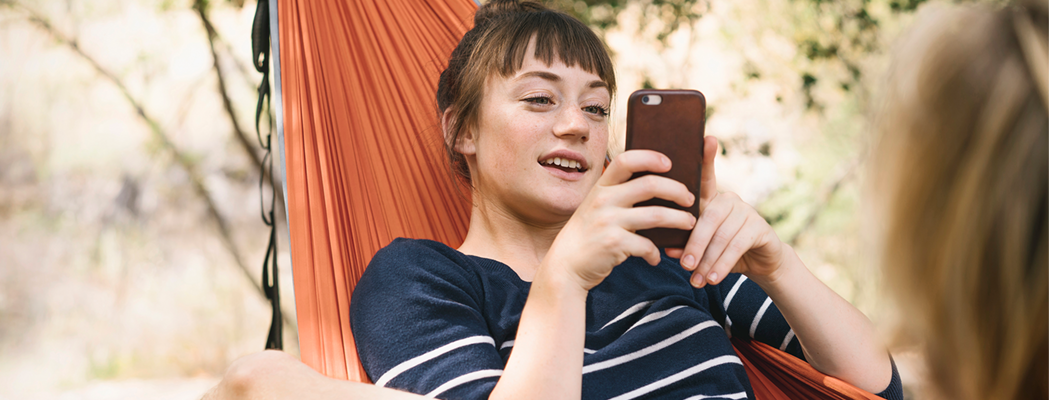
962, 169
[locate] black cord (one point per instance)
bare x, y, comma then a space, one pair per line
260, 37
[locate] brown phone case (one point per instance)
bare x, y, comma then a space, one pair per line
673, 127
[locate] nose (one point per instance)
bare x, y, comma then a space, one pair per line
571, 121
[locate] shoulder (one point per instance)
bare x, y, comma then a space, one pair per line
412, 256
412, 268
402, 249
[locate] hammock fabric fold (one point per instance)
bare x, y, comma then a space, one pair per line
365, 161
365, 164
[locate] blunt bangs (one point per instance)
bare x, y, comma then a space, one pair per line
557, 36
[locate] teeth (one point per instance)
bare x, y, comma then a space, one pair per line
566, 163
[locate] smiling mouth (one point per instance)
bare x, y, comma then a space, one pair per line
563, 164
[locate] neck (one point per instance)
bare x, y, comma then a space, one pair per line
500, 234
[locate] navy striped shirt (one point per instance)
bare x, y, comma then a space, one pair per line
430, 320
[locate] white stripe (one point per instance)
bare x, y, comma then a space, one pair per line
404, 366
473, 376
648, 350
735, 288
733, 396
633, 309
588, 351
786, 340
728, 326
761, 313
678, 376
654, 316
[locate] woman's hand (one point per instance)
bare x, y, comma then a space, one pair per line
730, 236
600, 234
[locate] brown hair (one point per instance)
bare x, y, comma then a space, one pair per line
496, 44
963, 170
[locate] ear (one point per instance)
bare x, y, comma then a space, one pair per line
465, 142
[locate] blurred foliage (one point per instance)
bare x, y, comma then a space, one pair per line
845, 32
603, 15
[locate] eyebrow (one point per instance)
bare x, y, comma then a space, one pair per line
550, 76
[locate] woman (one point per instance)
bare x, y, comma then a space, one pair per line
549, 295
552, 295
962, 170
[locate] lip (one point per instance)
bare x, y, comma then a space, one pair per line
565, 155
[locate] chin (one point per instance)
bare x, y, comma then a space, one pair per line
565, 205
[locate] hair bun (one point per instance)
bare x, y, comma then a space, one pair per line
497, 8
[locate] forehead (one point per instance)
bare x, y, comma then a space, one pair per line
553, 70
552, 48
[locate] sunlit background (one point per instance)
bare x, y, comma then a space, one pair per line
131, 241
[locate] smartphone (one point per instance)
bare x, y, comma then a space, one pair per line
670, 122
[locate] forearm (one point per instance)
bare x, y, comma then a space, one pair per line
837, 339
277, 375
547, 358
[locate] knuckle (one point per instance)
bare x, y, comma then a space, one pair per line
601, 199
738, 246
721, 237
712, 214
611, 241
648, 184
655, 217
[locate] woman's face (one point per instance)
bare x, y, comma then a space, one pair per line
540, 142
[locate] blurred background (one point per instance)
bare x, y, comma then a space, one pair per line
131, 241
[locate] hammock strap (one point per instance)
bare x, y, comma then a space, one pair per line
260, 38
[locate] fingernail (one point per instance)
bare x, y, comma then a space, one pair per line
689, 262
693, 197
666, 161
697, 280
713, 277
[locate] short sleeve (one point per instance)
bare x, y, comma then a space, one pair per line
417, 322
749, 312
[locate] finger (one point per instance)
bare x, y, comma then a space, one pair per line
708, 183
638, 218
740, 245
639, 246
633, 161
709, 221
654, 186
674, 252
721, 238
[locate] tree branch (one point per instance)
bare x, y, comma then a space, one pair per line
160, 135
201, 7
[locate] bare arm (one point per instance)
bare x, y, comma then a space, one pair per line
547, 360
837, 339
277, 375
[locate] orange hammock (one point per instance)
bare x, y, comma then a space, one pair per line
364, 164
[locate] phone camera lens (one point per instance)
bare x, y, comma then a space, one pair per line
644, 99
